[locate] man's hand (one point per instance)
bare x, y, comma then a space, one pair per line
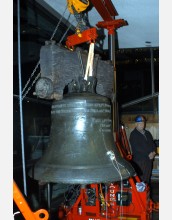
152, 155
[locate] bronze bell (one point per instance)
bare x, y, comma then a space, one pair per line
81, 148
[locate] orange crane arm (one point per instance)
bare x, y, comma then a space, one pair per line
24, 208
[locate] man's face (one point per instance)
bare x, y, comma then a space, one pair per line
140, 125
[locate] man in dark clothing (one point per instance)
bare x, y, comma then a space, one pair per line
143, 149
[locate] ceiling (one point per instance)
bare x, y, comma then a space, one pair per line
142, 17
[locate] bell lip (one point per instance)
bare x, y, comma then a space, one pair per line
80, 177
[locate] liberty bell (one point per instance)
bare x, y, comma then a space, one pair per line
81, 147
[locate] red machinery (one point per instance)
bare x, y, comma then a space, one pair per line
123, 144
120, 200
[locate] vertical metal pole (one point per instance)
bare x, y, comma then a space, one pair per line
20, 98
111, 47
152, 71
158, 105
49, 195
153, 81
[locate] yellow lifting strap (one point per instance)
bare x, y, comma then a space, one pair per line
79, 5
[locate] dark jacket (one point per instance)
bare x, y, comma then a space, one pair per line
141, 145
